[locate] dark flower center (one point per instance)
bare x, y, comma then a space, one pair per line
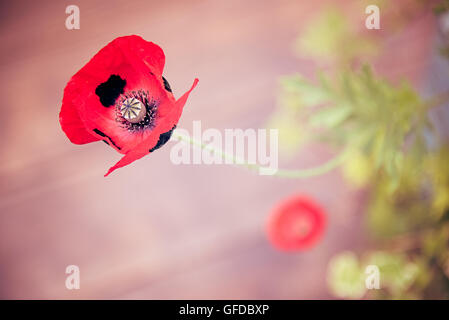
147, 121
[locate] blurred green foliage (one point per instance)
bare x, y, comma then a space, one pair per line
399, 277
363, 112
332, 37
441, 7
346, 276
385, 131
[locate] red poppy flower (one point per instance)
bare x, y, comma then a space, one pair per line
297, 223
121, 97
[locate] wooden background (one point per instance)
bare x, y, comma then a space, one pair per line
153, 229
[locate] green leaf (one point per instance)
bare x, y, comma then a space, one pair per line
330, 117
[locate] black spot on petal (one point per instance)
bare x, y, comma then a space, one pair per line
109, 91
101, 133
166, 85
163, 138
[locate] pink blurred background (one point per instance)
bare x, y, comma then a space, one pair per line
154, 230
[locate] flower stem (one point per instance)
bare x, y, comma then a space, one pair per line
314, 171
285, 173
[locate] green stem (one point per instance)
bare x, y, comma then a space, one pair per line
285, 173
314, 171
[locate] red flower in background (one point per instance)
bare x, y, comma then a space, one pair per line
121, 97
297, 223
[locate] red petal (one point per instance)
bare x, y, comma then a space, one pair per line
148, 52
70, 120
172, 113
